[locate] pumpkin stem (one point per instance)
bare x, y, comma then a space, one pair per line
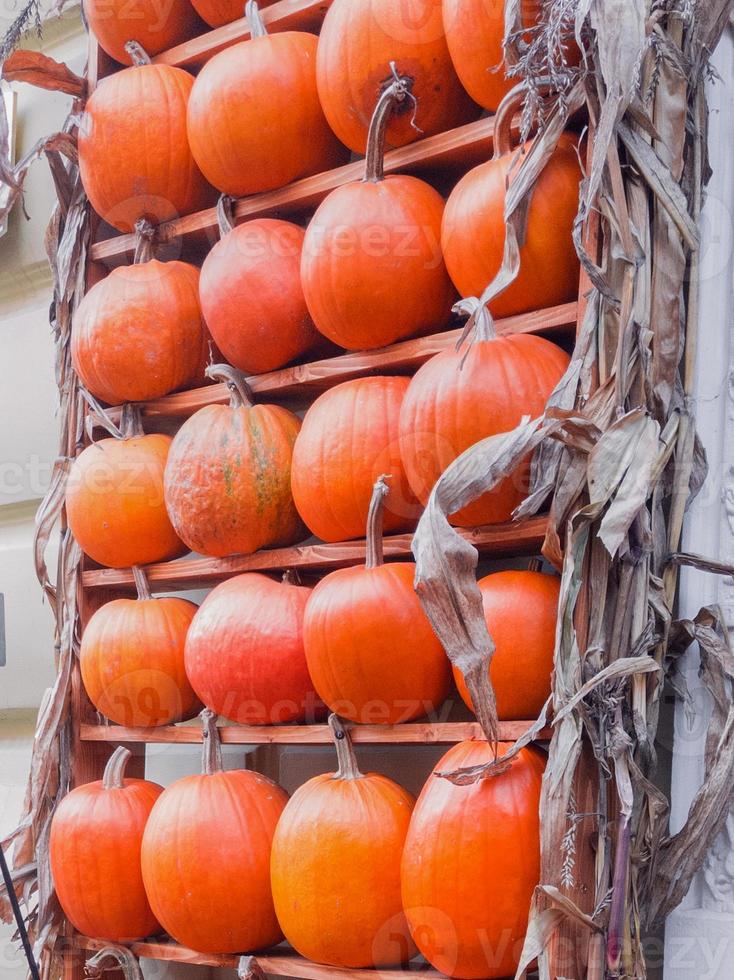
137, 53
535, 564
374, 556
131, 421
211, 753
399, 89
291, 577
345, 757
239, 390
144, 238
249, 969
141, 583
114, 771
484, 325
254, 20
225, 214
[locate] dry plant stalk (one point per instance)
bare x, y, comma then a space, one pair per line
617, 459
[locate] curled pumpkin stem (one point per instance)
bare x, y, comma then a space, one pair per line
123, 959
114, 772
374, 552
248, 968
137, 53
254, 20
225, 214
396, 92
345, 755
239, 390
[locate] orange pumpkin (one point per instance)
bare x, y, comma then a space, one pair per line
254, 118
471, 862
134, 156
114, 498
138, 333
462, 396
244, 651
132, 659
359, 41
475, 30
520, 610
370, 648
335, 866
473, 228
349, 437
216, 13
372, 270
251, 294
156, 27
206, 856
227, 479
94, 850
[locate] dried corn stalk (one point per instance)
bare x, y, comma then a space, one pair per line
617, 459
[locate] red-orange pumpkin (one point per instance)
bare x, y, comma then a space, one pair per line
138, 334
473, 230
114, 499
227, 479
471, 862
132, 659
134, 156
206, 856
94, 849
370, 648
254, 118
335, 866
219, 12
474, 33
520, 611
155, 26
460, 397
251, 295
372, 270
359, 41
350, 437
244, 652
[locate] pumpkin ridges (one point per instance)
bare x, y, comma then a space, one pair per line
471, 862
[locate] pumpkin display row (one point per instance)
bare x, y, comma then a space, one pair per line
260, 652
246, 476
381, 260
350, 870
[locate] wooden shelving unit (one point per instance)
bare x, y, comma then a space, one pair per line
441, 159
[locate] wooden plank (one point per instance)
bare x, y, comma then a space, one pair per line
411, 733
460, 147
287, 15
556, 322
278, 962
498, 540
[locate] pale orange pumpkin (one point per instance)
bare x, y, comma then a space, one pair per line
134, 156
335, 866
132, 659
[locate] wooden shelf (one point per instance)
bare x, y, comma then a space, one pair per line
459, 148
278, 962
411, 733
287, 15
497, 540
556, 322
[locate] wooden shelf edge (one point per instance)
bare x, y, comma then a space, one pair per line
275, 962
499, 540
316, 376
287, 15
410, 733
452, 147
